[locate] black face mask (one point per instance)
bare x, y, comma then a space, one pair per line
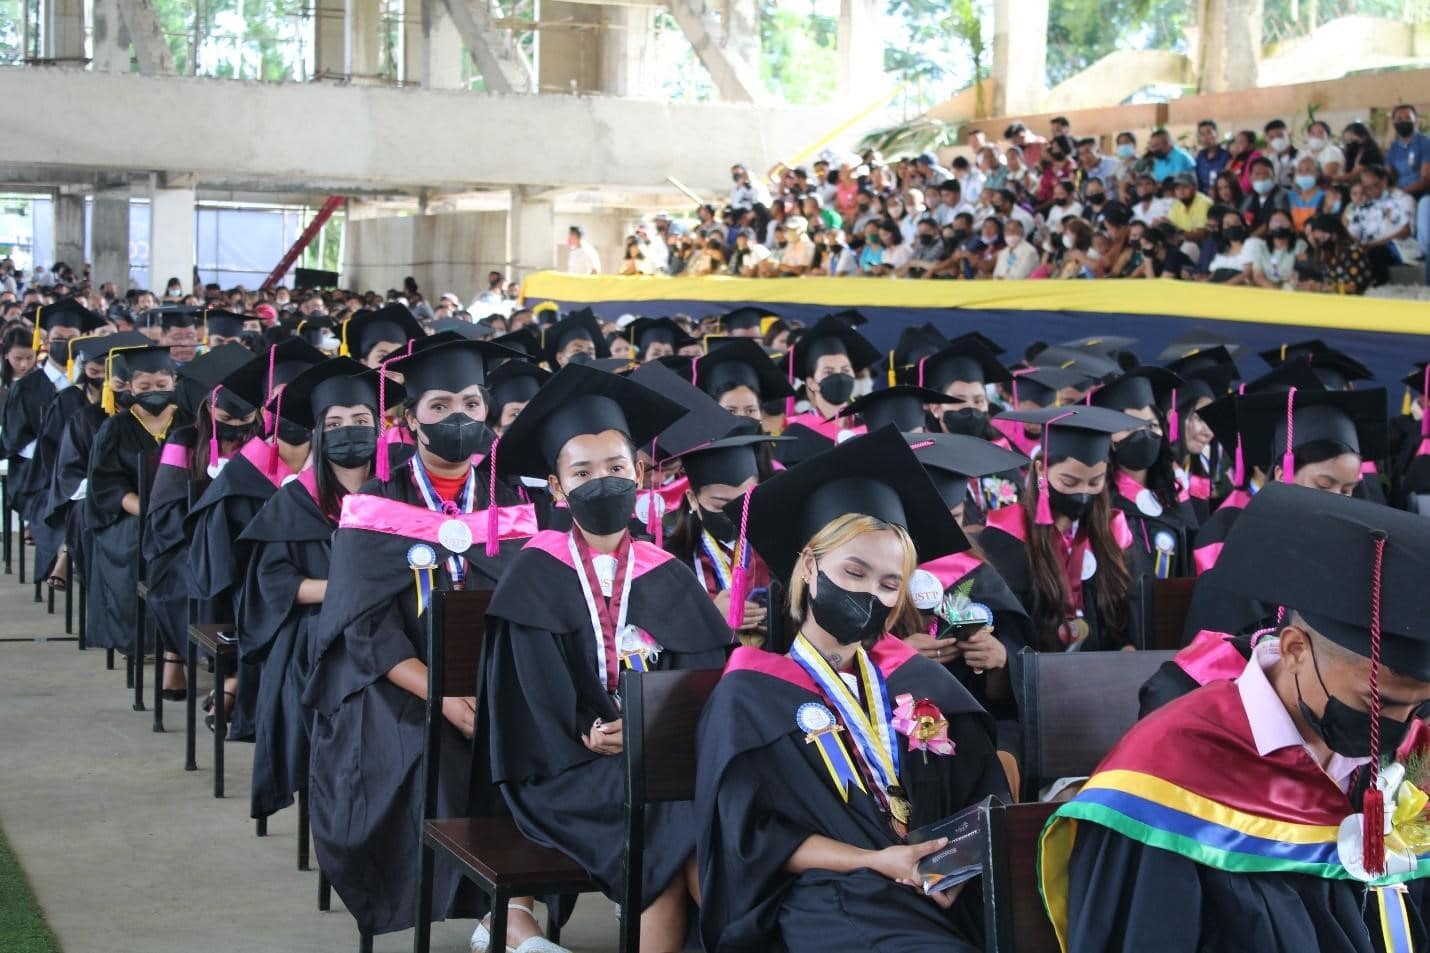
969, 421
233, 433
848, 616
1405, 129
1345, 730
1233, 234
350, 446
1096, 200
718, 524
1072, 505
1139, 451
1285, 233
154, 401
603, 506
457, 437
837, 388
123, 399
292, 434
581, 357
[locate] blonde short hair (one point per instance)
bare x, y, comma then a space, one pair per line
842, 530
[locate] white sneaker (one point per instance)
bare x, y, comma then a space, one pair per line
482, 938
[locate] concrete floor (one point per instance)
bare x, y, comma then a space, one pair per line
127, 851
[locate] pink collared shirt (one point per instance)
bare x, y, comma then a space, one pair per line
1271, 726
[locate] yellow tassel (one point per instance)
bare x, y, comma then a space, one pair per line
343, 351
37, 340
893, 371
107, 403
1283, 354
1405, 404
69, 364
765, 323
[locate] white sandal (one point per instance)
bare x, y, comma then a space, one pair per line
482, 938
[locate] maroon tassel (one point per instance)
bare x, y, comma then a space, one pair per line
789, 372
1373, 803
493, 526
1373, 839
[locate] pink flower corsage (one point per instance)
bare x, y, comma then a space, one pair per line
923, 724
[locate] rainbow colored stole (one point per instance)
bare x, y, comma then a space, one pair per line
1215, 801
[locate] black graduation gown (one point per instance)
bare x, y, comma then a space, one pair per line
365, 771
1171, 904
25, 405
63, 512
1213, 607
218, 562
1171, 532
114, 470
291, 540
543, 692
40, 474
762, 791
166, 541
1171, 680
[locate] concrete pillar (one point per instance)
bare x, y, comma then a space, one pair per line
569, 60
69, 230
171, 236
531, 233
627, 68
62, 29
330, 38
742, 29
1230, 44
111, 38
1020, 53
861, 50
364, 36
434, 46
109, 240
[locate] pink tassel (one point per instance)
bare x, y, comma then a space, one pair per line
740, 575
383, 464
922, 361
1173, 428
695, 372
1044, 515
274, 458
789, 372
1288, 459
1373, 803
213, 427
493, 527
1425, 405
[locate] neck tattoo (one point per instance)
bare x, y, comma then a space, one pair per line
834, 658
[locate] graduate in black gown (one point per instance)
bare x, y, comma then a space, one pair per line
572, 610
218, 559
973, 624
124, 457
1409, 445
1235, 818
1202, 465
1061, 550
511, 386
28, 397
371, 337
192, 456
430, 523
814, 766
287, 578
1143, 484
1332, 432
826, 357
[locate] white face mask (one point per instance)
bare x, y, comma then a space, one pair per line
1280, 144
1094, 255
1315, 143
1014, 241
1067, 241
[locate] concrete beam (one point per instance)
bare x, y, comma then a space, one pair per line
736, 79
347, 142
151, 48
503, 68
531, 232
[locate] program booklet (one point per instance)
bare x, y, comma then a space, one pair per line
962, 858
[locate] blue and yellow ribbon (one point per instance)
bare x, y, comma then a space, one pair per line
1394, 921
871, 729
821, 730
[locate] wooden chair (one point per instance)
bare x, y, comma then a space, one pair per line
209, 637
141, 602
1076, 706
489, 851
660, 716
1014, 920
1164, 611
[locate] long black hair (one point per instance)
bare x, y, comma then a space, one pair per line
330, 489
15, 337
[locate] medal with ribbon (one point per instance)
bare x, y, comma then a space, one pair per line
454, 535
422, 559
606, 604
871, 728
638, 651
1165, 548
820, 729
723, 564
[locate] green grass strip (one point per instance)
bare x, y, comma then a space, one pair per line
22, 923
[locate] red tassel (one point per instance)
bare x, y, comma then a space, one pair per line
493, 548
1373, 839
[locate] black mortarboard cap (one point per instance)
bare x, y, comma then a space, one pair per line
515, 382
1041, 385
447, 362
68, 313
580, 400
730, 460
704, 420
1417, 380
1214, 365
525, 340
953, 459
901, 406
150, 359
1353, 419
467, 329
93, 347
1197, 341
171, 316
915, 342
647, 331
743, 319
741, 362
1335, 368
964, 359
199, 377
1146, 386
1315, 552
1092, 364
254, 383
1078, 431
337, 382
1279, 380
392, 323
992, 345
853, 317
582, 324
875, 474
225, 324
832, 336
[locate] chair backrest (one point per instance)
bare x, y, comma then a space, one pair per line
1076, 706
661, 713
1014, 919
456, 633
1164, 611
